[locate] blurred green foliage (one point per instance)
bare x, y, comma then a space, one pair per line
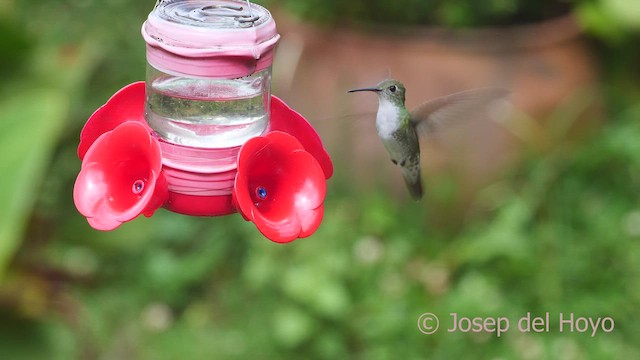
23, 164
559, 233
451, 13
610, 19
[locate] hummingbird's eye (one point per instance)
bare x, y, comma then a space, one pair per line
393, 88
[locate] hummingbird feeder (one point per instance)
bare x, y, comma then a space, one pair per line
203, 136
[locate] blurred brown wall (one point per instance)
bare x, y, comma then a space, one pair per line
542, 64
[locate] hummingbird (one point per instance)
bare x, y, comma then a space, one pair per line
397, 126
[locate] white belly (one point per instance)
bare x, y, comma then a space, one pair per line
387, 120
387, 124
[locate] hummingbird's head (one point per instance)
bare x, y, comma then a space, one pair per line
391, 90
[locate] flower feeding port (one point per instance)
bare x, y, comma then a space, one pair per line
203, 136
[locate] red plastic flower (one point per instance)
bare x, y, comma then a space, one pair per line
280, 183
280, 187
120, 177
125, 105
285, 119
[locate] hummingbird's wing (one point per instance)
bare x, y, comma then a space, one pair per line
435, 112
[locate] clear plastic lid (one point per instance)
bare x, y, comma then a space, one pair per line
213, 14
212, 38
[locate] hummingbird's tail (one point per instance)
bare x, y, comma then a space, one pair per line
415, 188
413, 180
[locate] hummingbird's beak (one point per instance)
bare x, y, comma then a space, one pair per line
365, 89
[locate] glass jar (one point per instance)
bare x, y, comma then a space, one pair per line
207, 113
209, 71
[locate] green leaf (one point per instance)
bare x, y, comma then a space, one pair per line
30, 125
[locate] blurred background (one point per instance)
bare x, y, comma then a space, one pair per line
538, 211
